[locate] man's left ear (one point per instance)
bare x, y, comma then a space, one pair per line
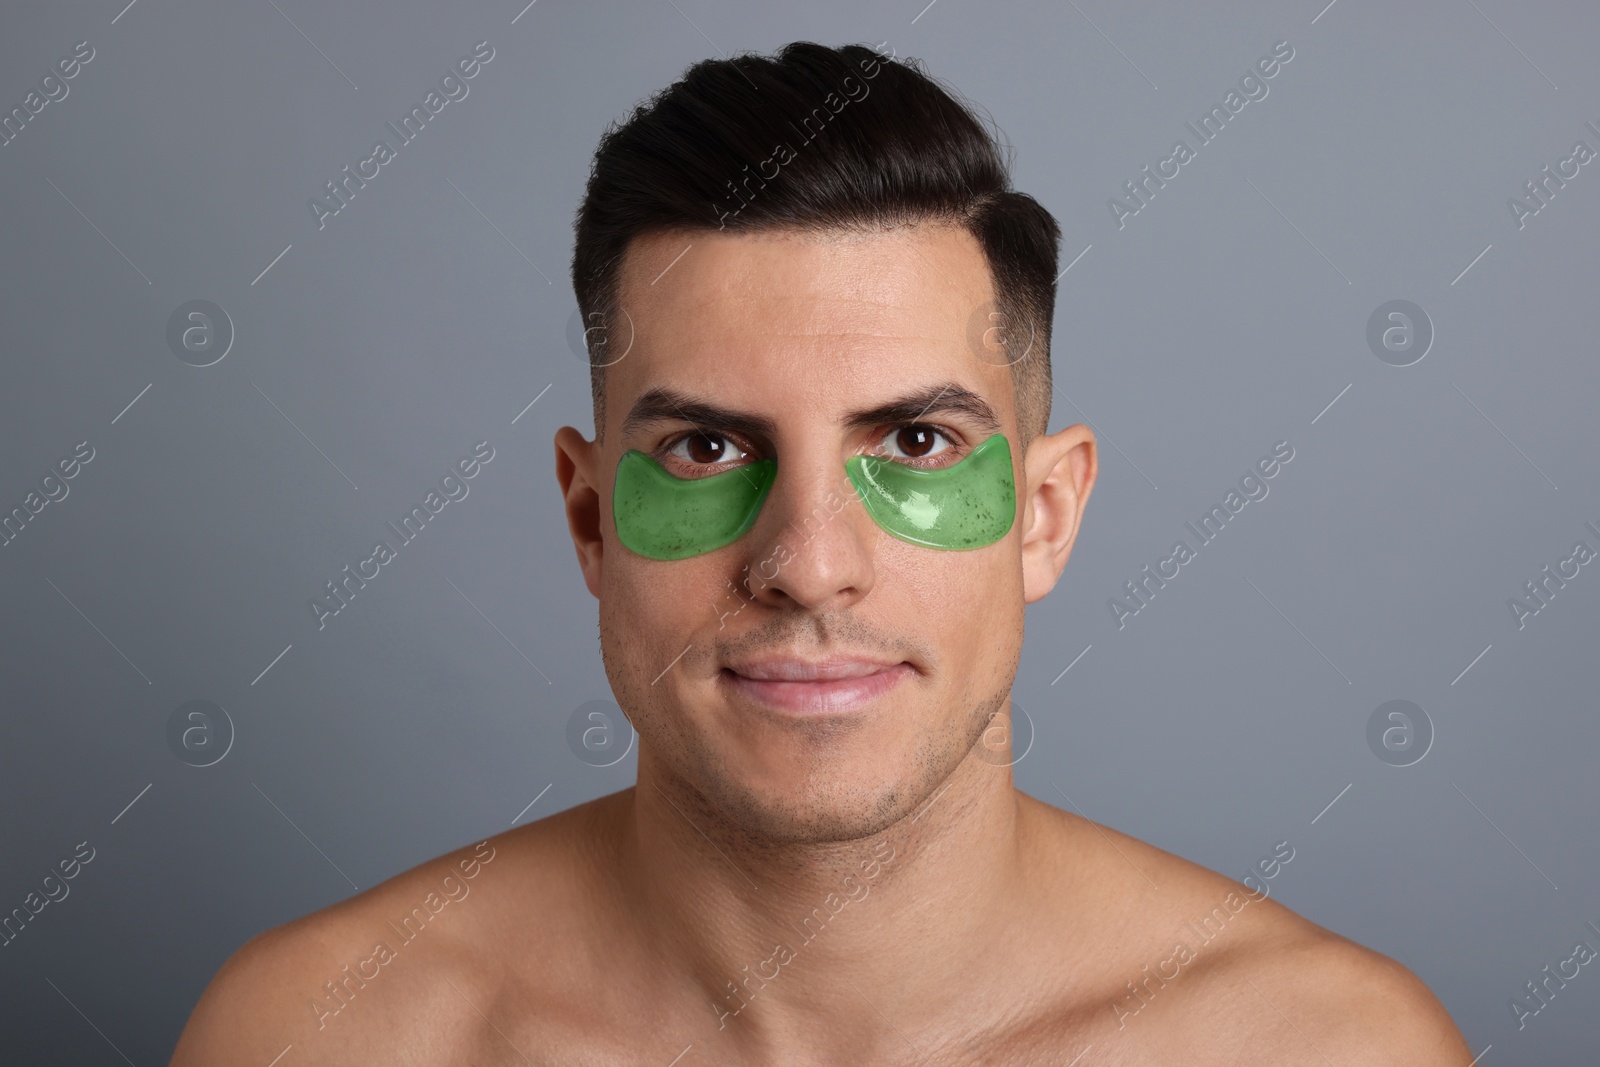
1060, 469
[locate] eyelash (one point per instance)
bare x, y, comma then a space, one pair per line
940, 459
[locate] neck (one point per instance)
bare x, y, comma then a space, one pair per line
763, 931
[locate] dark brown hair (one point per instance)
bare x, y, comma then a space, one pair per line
818, 138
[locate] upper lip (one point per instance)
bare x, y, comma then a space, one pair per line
791, 669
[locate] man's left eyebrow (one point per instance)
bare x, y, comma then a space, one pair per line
950, 398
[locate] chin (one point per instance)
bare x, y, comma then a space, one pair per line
848, 799
781, 824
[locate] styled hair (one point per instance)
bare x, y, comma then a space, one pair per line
818, 139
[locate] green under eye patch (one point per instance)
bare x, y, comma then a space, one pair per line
966, 505
666, 517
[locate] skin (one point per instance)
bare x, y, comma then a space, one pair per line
977, 924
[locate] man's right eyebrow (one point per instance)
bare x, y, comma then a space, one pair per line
661, 404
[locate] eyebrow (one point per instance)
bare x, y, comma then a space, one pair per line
662, 404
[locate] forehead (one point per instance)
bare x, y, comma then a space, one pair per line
794, 323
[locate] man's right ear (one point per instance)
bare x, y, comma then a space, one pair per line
577, 472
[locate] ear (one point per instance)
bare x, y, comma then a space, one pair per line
1060, 469
576, 457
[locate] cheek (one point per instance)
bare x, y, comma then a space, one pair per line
634, 600
965, 605
651, 609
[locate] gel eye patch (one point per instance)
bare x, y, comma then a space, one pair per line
969, 504
665, 517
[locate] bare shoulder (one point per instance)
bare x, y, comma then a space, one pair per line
1213, 970
410, 964
1346, 1002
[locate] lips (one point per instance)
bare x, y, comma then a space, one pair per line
797, 670
801, 687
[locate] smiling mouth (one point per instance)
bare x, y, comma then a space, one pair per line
801, 689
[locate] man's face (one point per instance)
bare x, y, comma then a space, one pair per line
797, 334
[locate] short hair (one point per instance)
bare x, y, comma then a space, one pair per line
861, 142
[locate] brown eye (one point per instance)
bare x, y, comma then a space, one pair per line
705, 449
916, 442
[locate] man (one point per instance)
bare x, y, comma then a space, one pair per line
819, 497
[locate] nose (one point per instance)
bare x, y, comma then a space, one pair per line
812, 545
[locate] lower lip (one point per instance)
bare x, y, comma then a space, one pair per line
818, 698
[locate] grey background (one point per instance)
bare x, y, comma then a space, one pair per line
427, 315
